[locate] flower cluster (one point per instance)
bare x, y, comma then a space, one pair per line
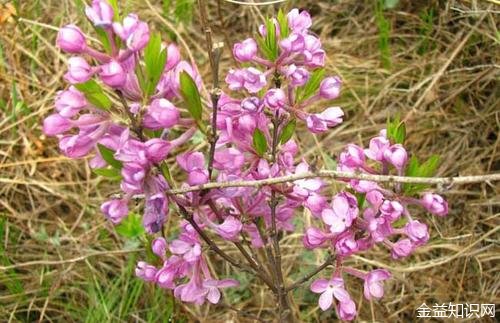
366, 214
281, 75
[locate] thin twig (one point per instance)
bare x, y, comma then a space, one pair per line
338, 175
299, 282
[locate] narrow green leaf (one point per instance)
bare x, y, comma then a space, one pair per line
312, 85
155, 59
114, 5
259, 142
191, 95
288, 131
111, 173
108, 155
430, 166
94, 94
103, 38
427, 169
283, 22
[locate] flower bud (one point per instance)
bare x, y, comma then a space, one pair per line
157, 149
70, 102
292, 44
298, 75
173, 57
155, 212
71, 40
145, 271
377, 147
229, 229
113, 75
435, 204
79, 71
161, 114
159, 247
56, 125
251, 104
100, 13
391, 209
330, 88
401, 248
396, 155
417, 232
137, 40
347, 310
254, 80
353, 156
346, 246
76, 146
246, 50
115, 210
230, 159
275, 98
299, 22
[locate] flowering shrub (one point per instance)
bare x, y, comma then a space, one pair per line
122, 107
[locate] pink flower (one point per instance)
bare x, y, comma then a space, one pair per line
70, 102
315, 238
161, 114
377, 147
317, 123
113, 75
292, 44
159, 247
135, 33
392, 209
71, 40
255, 80
173, 57
145, 271
229, 229
190, 250
297, 75
79, 71
235, 79
396, 155
194, 164
328, 290
346, 245
352, 157
246, 50
347, 310
343, 212
230, 159
157, 149
299, 22
373, 287
417, 232
56, 125
330, 88
155, 212
435, 204
402, 248
100, 13
212, 287
115, 210
275, 98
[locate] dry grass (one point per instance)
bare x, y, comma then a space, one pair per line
61, 261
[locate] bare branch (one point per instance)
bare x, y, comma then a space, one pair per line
338, 175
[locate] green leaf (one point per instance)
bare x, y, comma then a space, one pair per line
312, 85
191, 95
94, 94
259, 142
155, 59
288, 131
114, 5
426, 169
111, 173
131, 226
389, 4
108, 155
103, 37
268, 43
283, 22
396, 130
